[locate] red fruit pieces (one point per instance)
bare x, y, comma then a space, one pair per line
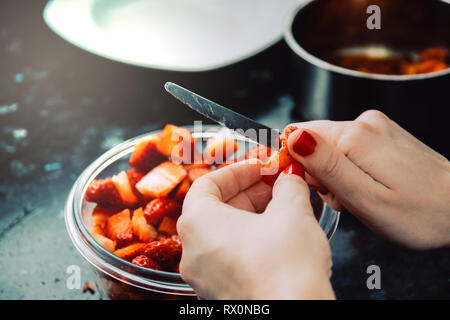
156, 209
118, 227
105, 242
168, 225
125, 189
295, 168
130, 251
160, 181
220, 147
146, 262
141, 229
275, 165
195, 173
182, 189
166, 252
177, 143
100, 216
104, 193
146, 155
286, 133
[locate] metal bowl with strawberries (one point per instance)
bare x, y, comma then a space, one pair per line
122, 211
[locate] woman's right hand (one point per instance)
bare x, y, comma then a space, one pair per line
393, 183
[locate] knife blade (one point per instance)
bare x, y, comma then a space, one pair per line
225, 117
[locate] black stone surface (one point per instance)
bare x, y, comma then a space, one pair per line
61, 107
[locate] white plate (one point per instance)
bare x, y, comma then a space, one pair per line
181, 35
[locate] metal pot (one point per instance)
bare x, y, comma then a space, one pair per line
318, 29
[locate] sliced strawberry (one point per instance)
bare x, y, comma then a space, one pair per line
220, 147
286, 133
168, 225
166, 253
160, 181
146, 262
100, 215
105, 242
146, 155
104, 193
130, 251
295, 168
125, 190
181, 191
118, 227
156, 209
177, 143
275, 165
141, 229
195, 173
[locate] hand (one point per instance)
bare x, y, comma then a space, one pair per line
241, 240
391, 181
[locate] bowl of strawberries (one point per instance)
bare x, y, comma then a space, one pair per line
122, 211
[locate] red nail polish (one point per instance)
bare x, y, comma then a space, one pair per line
305, 144
295, 168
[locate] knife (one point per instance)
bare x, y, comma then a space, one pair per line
230, 119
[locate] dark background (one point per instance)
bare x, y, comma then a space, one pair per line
61, 107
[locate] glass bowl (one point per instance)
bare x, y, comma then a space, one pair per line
117, 278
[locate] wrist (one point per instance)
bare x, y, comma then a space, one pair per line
304, 283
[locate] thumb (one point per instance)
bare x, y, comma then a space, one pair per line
290, 196
330, 167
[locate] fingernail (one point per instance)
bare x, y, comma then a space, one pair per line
305, 144
295, 168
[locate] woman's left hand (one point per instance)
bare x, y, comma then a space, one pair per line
243, 240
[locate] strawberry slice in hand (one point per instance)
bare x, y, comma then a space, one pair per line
160, 181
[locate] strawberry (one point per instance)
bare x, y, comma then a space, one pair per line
168, 225
141, 229
286, 133
123, 185
130, 251
104, 193
146, 262
183, 188
105, 242
195, 173
156, 209
275, 165
134, 177
160, 181
146, 155
177, 143
118, 227
220, 147
100, 215
295, 168
166, 253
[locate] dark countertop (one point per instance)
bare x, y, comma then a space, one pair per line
61, 107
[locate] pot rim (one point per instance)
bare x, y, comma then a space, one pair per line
300, 51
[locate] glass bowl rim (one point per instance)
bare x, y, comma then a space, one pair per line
111, 264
